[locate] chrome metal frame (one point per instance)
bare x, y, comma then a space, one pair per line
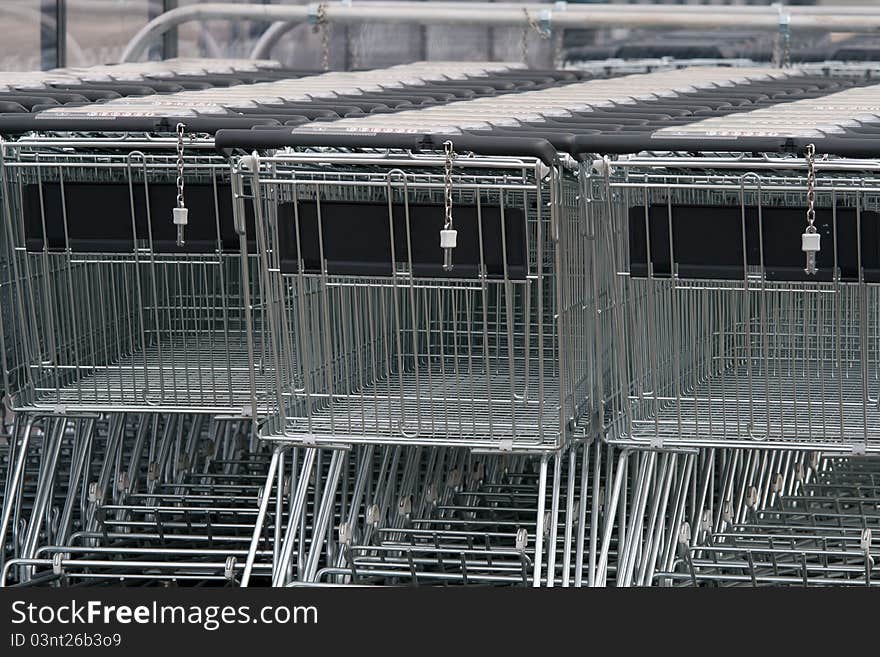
479, 362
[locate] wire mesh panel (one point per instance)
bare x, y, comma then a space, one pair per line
117, 310
132, 498
377, 338
9, 337
725, 336
820, 534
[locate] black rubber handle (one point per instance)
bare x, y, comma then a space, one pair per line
42, 122
856, 146
280, 110
121, 88
561, 140
57, 95
27, 101
8, 106
494, 145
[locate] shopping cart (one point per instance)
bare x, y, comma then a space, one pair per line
87, 263
139, 498
379, 334
118, 310
820, 534
661, 503
393, 514
386, 344
10, 342
724, 338
84, 272
739, 313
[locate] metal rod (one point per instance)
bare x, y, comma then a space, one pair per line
53, 34
494, 15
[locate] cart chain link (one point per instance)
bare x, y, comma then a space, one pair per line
786, 50
531, 25
180, 213
448, 236
557, 49
783, 41
810, 239
322, 25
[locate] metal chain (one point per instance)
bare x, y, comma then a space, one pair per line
180, 213
531, 26
810, 240
448, 235
783, 41
321, 24
786, 50
811, 188
180, 133
447, 184
557, 49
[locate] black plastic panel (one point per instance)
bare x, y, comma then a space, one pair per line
716, 242
357, 239
99, 217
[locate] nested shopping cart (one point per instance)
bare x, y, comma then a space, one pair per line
118, 306
723, 335
86, 263
9, 337
395, 514
820, 533
421, 298
131, 360
741, 322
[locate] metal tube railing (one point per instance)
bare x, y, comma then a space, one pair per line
843, 19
